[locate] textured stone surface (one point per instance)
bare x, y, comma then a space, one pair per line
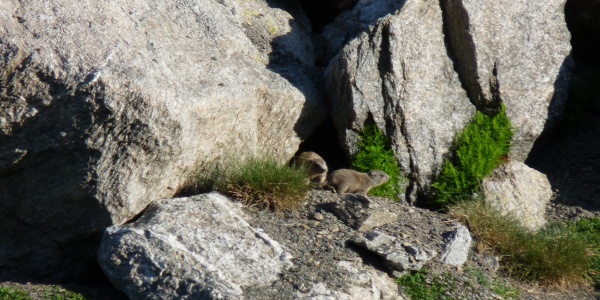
514, 52
190, 248
516, 189
361, 214
107, 106
399, 256
351, 23
364, 282
399, 75
458, 245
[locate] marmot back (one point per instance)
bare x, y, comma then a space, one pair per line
346, 181
315, 166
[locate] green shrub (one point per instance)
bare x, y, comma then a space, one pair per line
554, 255
374, 153
417, 288
12, 294
49, 293
480, 148
259, 182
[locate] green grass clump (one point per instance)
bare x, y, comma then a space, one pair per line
417, 287
12, 294
263, 183
590, 230
480, 148
374, 153
49, 293
556, 255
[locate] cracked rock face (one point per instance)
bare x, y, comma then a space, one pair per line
194, 248
400, 75
516, 53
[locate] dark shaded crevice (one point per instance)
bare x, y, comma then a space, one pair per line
323, 12
582, 17
394, 114
496, 101
319, 14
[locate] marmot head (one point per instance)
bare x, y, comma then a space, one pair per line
378, 177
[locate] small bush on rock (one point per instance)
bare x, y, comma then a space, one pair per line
259, 182
480, 148
375, 154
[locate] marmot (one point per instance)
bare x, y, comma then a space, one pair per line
346, 181
315, 165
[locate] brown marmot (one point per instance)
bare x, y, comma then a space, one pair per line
315, 165
346, 181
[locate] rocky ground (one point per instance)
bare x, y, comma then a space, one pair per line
319, 241
320, 232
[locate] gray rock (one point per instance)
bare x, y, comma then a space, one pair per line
398, 255
361, 214
364, 282
514, 52
277, 35
104, 108
523, 192
351, 23
458, 245
190, 248
399, 75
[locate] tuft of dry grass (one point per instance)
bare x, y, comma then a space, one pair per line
553, 256
258, 182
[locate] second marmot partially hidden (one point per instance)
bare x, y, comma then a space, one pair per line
346, 181
315, 166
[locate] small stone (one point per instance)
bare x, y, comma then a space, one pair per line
318, 216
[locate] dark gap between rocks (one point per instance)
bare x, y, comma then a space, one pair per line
320, 13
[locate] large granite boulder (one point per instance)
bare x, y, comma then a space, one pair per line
512, 52
398, 75
190, 248
107, 106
